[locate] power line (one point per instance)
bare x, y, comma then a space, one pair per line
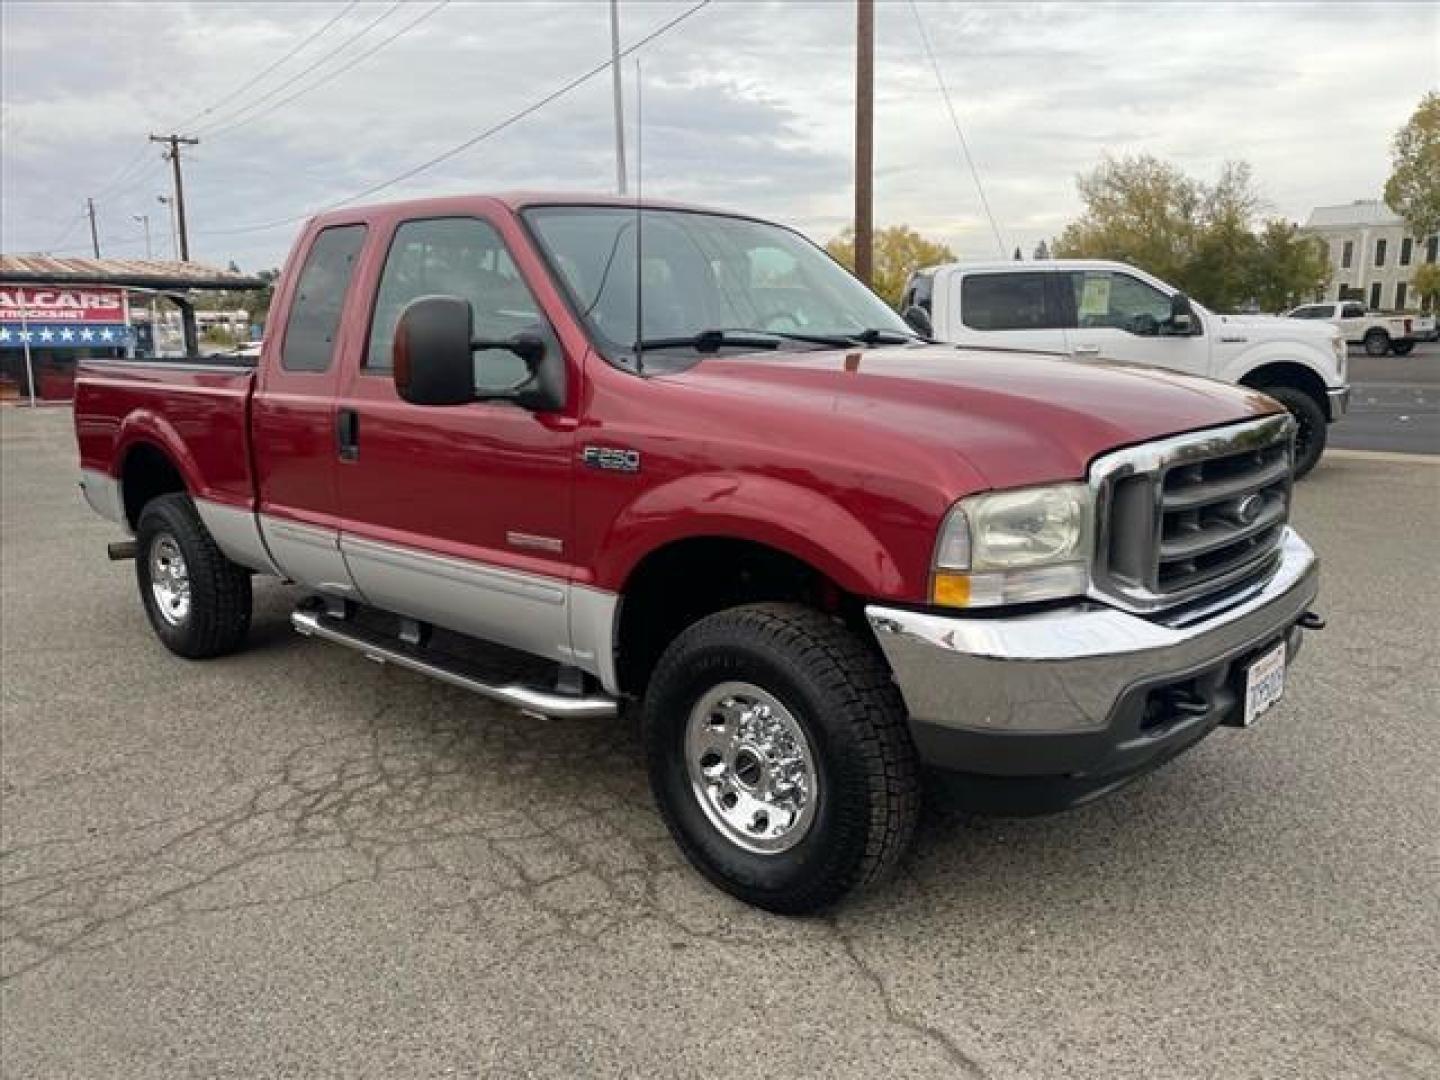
474, 140
330, 75
955, 120
189, 120
220, 124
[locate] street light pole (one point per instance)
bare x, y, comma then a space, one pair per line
144, 219
619, 97
165, 200
864, 139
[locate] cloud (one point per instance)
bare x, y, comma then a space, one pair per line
746, 105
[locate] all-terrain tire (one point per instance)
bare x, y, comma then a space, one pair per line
202, 606
1377, 343
1312, 429
838, 688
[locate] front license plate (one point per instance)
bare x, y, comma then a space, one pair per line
1264, 683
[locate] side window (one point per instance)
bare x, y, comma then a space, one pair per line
1353, 311
320, 298
1007, 302
1308, 313
1104, 299
462, 257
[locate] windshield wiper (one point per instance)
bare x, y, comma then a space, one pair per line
885, 337
711, 340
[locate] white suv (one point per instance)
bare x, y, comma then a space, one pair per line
1093, 310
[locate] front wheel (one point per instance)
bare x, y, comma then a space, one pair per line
1377, 343
779, 755
1402, 348
197, 600
1311, 427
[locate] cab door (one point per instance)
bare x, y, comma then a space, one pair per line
1015, 309
458, 516
292, 420
1118, 316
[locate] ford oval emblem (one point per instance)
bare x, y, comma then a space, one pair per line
1248, 509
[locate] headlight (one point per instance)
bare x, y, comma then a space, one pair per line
1014, 547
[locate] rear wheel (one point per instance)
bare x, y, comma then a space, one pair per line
197, 600
1377, 343
1311, 427
779, 755
1402, 348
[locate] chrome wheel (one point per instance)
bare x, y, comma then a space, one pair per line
751, 767
169, 579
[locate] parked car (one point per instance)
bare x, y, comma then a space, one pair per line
1377, 332
1093, 310
816, 552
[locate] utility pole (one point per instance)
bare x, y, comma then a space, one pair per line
864, 139
619, 98
94, 233
173, 156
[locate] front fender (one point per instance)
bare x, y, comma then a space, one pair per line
788, 517
1264, 353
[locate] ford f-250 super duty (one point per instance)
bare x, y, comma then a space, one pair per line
720, 479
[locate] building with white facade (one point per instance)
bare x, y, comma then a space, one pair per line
1372, 254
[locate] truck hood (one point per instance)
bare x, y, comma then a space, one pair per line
1015, 418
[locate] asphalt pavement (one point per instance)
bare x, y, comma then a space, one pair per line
1395, 404
293, 862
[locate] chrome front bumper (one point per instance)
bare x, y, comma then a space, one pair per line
1339, 401
1062, 692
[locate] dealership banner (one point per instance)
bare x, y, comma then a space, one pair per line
61, 304
63, 317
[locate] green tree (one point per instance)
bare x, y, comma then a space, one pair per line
1138, 210
1426, 283
899, 250
1413, 190
1287, 267
1200, 237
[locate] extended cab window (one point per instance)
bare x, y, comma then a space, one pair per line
1008, 302
1107, 299
1353, 311
462, 257
320, 298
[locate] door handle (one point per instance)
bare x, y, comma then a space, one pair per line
347, 434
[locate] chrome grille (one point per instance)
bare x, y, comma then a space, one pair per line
1185, 518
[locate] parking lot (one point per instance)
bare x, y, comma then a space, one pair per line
295, 862
1395, 404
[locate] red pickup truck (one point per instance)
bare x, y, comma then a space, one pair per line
569, 453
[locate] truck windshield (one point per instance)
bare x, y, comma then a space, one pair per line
709, 283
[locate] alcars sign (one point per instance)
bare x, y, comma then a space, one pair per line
61, 304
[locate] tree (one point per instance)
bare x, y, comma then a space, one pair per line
899, 250
1413, 190
1287, 268
1427, 284
1200, 237
1041, 252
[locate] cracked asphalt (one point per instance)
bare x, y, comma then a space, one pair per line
293, 862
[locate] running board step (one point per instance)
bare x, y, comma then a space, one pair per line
387, 650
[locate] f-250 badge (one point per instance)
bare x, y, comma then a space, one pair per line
611, 459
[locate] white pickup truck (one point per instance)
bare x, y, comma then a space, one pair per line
1379, 333
1093, 310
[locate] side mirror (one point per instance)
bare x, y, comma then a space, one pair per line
918, 319
1182, 315
432, 364
434, 359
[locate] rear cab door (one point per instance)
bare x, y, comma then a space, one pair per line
1017, 309
459, 516
292, 422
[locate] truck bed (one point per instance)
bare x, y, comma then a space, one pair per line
197, 409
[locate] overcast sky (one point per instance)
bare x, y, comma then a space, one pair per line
747, 105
